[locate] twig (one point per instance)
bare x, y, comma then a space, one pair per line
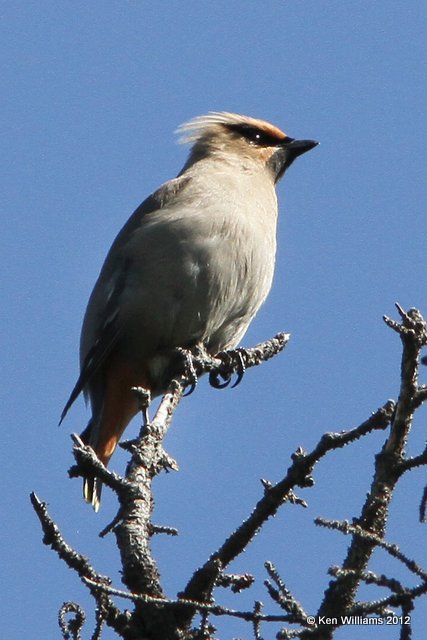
392, 549
74, 560
423, 505
169, 531
256, 623
88, 462
100, 620
70, 629
298, 475
406, 626
164, 603
54, 539
283, 596
369, 577
412, 463
157, 616
133, 532
339, 597
394, 600
420, 396
132, 524
413, 333
236, 582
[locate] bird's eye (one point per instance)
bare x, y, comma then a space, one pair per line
256, 136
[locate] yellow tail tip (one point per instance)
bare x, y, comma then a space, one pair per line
92, 492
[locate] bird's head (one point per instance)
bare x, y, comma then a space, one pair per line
236, 139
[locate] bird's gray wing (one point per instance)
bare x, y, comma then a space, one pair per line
103, 345
107, 331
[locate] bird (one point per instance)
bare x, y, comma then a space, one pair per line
191, 266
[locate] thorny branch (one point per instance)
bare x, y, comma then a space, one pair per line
392, 549
156, 616
53, 538
389, 466
298, 474
71, 627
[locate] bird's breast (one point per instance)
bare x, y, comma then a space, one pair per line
197, 270
202, 272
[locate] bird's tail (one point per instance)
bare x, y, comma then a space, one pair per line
109, 420
92, 487
103, 436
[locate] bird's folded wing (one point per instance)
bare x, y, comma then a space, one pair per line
108, 332
94, 359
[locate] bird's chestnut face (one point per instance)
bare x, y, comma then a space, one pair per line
272, 146
243, 141
260, 137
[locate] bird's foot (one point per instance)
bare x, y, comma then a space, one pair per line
189, 370
144, 399
232, 362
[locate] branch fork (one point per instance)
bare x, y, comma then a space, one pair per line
156, 617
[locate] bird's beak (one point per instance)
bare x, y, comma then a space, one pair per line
286, 152
296, 148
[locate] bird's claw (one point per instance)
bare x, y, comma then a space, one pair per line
240, 368
144, 398
190, 390
214, 380
232, 361
190, 372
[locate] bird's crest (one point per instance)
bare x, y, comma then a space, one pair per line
192, 130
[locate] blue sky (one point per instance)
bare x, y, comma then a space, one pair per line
93, 92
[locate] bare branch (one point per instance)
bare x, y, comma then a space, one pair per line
155, 616
298, 475
413, 333
369, 577
394, 600
283, 596
412, 463
406, 626
89, 463
256, 623
339, 597
53, 538
132, 524
392, 549
236, 582
214, 609
420, 396
71, 628
169, 531
423, 506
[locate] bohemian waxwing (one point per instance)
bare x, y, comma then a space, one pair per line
193, 264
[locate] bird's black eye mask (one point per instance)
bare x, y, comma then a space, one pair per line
257, 136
